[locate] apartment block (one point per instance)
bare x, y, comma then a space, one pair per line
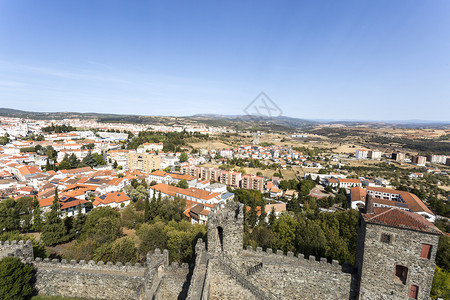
397, 156
419, 160
144, 162
231, 178
374, 154
361, 154
252, 182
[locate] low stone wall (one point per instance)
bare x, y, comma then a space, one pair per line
89, 280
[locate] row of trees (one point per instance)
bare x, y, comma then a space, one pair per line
172, 141
20, 215
330, 235
73, 162
58, 128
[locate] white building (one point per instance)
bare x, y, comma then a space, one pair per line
361, 154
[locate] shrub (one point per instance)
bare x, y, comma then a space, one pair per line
15, 279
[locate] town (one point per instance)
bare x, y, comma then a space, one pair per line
90, 166
70, 169
224, 150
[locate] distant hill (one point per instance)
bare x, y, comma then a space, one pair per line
249, 122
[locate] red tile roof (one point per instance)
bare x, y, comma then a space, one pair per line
399, 218
191, 192
414, 203
73, 203
28, 170
111, 197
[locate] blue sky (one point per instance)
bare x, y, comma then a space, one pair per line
373, 60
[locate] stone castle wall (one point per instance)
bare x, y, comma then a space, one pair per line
89, 280
223, 270
229, 289
378, 259
290, 276
174, 282
17, 248
155, 279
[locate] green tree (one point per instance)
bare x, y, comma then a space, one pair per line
106, 230
129, 217
90, 160
285, 231
152, 236
48, 167
154, 207
272, 217
178, 244
441, 284
51, 152
99, 161
15, 279
9, 216
24, 206
147, 212
313, 240
83, 249
78, 223
54, 231
252, 217
123, 250
263, 236
73, 161
115, 165
172, 210
64, 165
182, 184
443, 253
4, 139
37, 215
183, 157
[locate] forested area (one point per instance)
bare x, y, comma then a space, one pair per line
104, 233
172, 141
58, 128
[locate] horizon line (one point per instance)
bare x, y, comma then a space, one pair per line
319, 120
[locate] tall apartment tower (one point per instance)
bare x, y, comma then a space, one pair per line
395, 254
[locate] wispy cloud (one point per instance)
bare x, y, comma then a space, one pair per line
13, 84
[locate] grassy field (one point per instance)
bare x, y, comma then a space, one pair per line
267, 173
210, 145
288, 174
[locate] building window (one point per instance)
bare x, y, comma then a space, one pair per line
413, 292
426, 251
401, 273
386, 238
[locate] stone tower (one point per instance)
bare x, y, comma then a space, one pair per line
395, 254
226, 229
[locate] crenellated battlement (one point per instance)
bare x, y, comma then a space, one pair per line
278, 257
90, 265
20, 249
